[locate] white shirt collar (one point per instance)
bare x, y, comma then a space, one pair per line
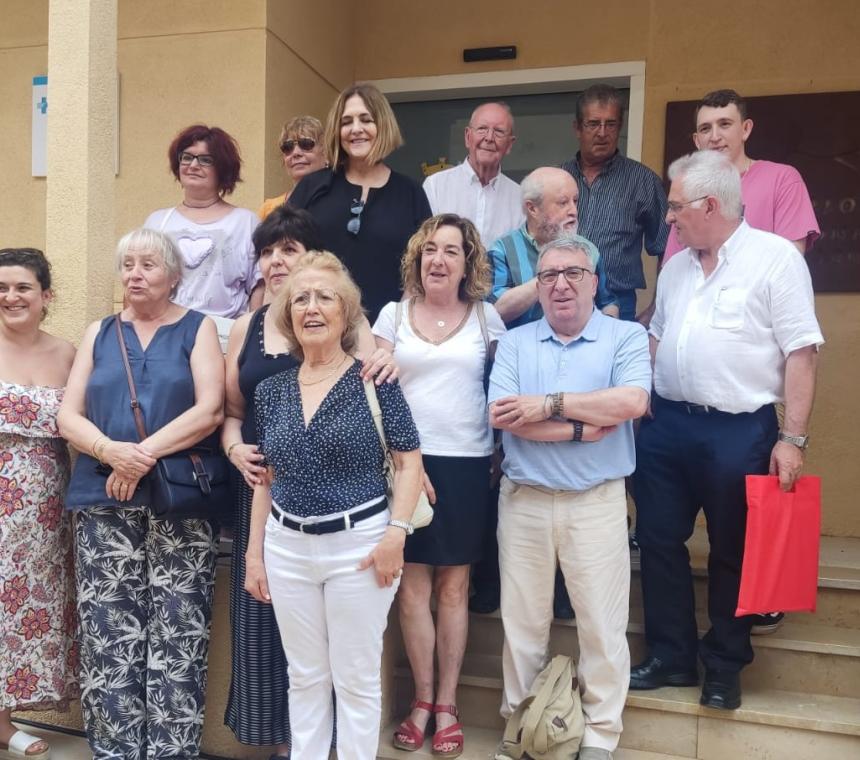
473, 177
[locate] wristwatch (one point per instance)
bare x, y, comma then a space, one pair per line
801, 441
407, 526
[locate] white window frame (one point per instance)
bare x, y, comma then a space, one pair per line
488, 84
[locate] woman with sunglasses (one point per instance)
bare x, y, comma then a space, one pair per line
367, 212
302, 150
220, 275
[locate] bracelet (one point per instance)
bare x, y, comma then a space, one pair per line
231, 447
577, 430
99, 447
557, 404
96, 443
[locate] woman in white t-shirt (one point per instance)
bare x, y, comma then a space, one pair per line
220, 274
442, 339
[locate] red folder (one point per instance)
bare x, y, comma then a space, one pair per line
780, 570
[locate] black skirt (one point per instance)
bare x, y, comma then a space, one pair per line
455, 537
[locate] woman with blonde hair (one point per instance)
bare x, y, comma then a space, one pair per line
367, 212
443, 339
326, 545
301, 146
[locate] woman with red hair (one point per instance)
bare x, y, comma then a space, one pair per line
220, 275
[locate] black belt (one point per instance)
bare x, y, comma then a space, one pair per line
696, 409
689, 408
345, 522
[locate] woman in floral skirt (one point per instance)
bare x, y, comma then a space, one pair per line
37, 622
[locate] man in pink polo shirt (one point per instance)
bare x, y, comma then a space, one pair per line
774, 195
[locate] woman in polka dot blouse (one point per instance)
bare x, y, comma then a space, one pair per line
325, 546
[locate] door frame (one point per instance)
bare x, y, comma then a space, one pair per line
489, 84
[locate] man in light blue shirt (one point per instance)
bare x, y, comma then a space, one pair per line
564, 390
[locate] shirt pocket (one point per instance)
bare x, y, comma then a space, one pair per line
729, 308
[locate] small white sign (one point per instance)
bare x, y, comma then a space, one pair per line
40, 127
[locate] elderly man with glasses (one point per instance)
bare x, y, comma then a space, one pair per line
564, 390
477, 189
622, 204
734, 333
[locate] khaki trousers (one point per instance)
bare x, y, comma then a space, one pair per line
587, 533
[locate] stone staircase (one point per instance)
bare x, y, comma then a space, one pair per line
801, 695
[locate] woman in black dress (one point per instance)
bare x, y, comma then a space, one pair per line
257, 710
367, 212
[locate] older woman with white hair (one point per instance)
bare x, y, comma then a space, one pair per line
144, 578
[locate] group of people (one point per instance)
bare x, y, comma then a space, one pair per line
366, 322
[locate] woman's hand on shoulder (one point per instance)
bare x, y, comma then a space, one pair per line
386, 557
380, 367
256, 581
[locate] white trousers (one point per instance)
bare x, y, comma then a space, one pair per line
331, 617
587, 532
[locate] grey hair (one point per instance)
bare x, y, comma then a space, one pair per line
151, 240
531, 189
602, 94
572, 244
707, 172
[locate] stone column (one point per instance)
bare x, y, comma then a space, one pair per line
82, 126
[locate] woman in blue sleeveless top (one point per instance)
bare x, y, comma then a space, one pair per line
144, 582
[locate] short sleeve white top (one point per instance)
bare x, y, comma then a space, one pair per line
723, 340
444, 383
219, 270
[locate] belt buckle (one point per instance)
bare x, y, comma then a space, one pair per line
347, 522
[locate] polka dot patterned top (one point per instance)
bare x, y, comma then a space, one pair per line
336, 462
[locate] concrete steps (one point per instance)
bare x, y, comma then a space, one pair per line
481, 744
801, 695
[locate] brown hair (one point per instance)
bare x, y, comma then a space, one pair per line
721, 99
220, 145
388, 137
350, 300
301, 126
476, 284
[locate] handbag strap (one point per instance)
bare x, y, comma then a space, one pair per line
132, 390
376, 413
535, 715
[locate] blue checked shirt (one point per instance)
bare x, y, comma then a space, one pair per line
623, 210
514, 258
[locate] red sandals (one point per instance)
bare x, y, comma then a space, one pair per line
414, 736
451, 735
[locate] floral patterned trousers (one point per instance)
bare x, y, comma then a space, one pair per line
144, 601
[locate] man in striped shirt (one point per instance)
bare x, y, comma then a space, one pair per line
622, 204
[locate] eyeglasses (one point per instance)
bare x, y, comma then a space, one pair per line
302, 299
354, 224
676, 207
304, 143
594, 125
484, 131
203, 159
571, 274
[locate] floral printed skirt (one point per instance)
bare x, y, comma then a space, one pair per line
38, 654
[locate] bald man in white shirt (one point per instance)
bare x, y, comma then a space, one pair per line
477, 189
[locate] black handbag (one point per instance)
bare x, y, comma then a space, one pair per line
189, 483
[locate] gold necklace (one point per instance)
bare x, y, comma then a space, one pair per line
324, 377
